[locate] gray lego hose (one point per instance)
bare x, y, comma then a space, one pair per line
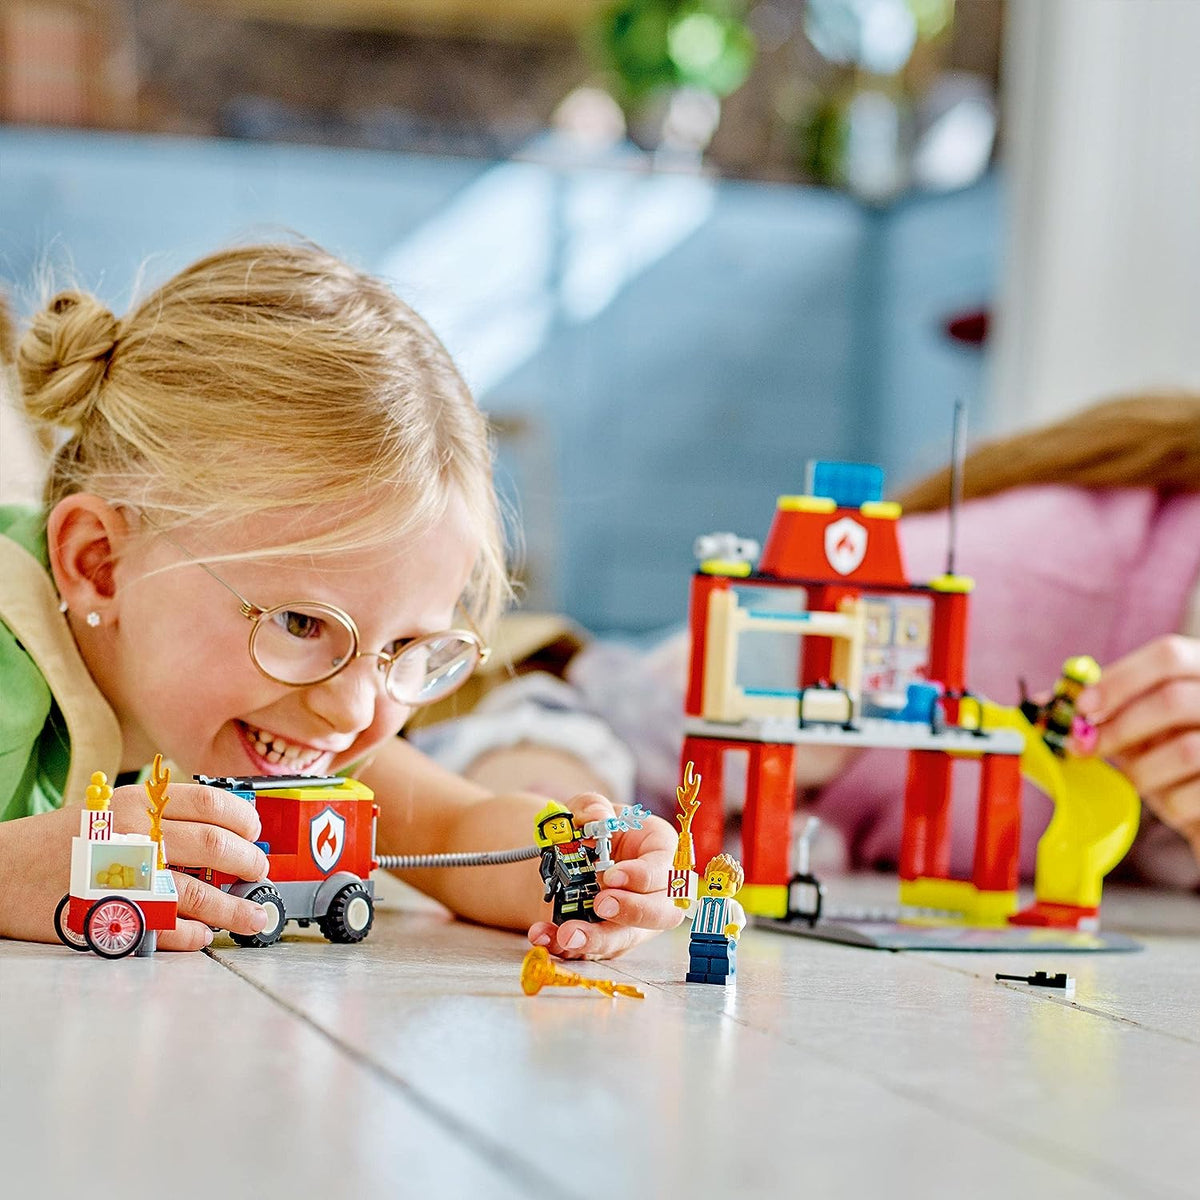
480, 858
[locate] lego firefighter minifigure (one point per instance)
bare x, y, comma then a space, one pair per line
718, 922
1057, 718
568, 866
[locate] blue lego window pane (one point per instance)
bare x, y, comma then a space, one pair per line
848, 485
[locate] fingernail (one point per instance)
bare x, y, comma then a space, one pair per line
259, 918
614, 878
542, 939
606, 906
575, 940
1088, 698
208, 937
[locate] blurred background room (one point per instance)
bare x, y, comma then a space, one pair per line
679, 247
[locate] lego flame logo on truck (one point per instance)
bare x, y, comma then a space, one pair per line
845, 545
327, 838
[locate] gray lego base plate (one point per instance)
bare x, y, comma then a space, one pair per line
897, 935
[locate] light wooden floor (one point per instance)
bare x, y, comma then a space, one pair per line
413, 1065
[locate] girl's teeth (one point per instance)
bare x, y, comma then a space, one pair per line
277, 751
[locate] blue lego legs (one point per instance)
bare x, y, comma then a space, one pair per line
713, 958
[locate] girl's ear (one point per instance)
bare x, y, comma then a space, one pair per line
84, 536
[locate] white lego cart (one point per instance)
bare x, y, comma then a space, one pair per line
119, 898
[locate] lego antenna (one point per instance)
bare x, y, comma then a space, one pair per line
957, 454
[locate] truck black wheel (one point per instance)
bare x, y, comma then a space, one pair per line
272, 901
350, 915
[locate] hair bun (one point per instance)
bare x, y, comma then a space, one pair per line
63, 357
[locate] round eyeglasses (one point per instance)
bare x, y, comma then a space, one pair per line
303, 643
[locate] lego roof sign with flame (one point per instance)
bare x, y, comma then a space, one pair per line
845, 545
327, 838
813, 539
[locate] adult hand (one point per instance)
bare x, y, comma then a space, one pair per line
1146, 708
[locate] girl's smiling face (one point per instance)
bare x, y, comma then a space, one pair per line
171, 654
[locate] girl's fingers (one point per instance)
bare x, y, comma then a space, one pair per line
1164, 765
613, 940
1165, 658
585, 939
187, 935
219, 909
201, 826
655, 835
646, 873
215, 806
541, 933
1178, 807
189, 802
190, 844
652, 911
1171, 707
590, 806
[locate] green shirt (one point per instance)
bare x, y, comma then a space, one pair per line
35, 746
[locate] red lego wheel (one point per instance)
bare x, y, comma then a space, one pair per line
66, 934
114, 927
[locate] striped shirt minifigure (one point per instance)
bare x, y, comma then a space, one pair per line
718, 921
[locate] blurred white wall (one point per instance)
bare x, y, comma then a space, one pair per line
21, 464
1101, 285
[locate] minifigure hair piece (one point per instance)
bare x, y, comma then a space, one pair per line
727, 862
265, 379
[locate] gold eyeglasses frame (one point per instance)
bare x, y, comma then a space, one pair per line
255, 614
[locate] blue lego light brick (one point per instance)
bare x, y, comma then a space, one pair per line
848, 485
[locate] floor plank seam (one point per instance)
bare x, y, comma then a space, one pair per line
495, 1153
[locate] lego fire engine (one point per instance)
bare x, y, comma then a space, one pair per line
318, 834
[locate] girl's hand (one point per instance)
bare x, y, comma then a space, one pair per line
202, 827
1147, 711
633, 897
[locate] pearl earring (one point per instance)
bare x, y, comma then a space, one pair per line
62, 606
93, 618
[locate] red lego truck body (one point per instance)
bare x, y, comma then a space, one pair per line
319, 837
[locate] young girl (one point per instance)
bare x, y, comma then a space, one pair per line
269, 533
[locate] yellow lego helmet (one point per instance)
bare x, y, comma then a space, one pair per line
1083, 668
552, 810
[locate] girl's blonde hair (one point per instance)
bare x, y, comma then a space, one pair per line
1132, 441
265, 379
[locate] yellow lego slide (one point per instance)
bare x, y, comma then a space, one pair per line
1096, 812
